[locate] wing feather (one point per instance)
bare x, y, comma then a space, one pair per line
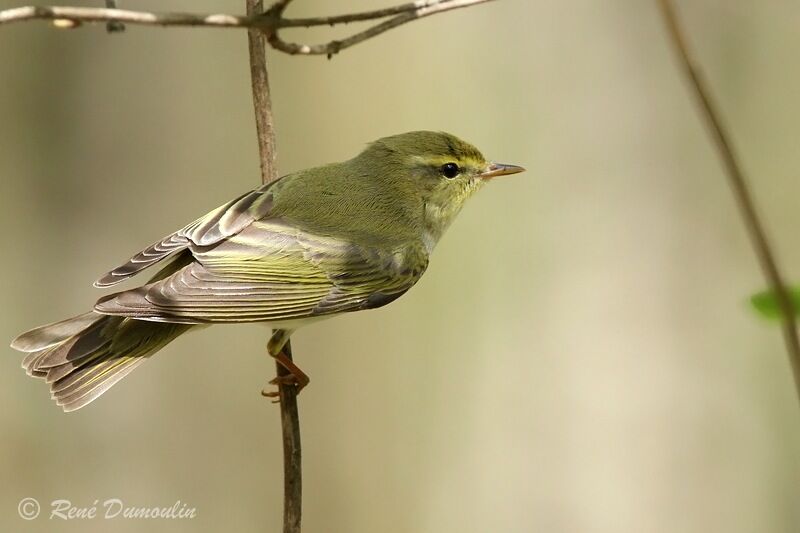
269, 272
221, 223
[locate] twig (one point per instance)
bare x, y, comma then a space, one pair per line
403, 14
364, 15
292, 465
290, 417
100, 14
741, 190
262, 102
270, 22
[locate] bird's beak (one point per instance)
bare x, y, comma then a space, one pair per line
499, 169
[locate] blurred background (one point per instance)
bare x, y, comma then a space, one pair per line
579, 356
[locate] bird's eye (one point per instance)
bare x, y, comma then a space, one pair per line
450, 170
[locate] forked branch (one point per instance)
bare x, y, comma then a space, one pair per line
269, 21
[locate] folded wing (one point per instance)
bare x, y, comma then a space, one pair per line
269, 272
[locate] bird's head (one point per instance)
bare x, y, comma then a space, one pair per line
437, 167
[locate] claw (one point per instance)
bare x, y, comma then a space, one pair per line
271, 394
285, 381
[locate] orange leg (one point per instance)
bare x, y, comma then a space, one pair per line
295, 376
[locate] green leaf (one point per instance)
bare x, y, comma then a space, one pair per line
766, 303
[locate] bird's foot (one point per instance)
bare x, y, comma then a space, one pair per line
285, 381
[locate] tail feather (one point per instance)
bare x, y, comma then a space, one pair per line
94, 382
75, 348
29, 364
56, 373
82, 357
55, 333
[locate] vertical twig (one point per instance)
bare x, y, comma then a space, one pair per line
290, 418
292, 467
113, 26
262, 103
741, 190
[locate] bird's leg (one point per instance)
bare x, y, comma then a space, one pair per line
295, 376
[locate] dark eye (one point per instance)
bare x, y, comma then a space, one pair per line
450, 170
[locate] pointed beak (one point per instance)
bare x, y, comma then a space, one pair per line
499, 169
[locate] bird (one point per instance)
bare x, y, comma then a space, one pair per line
338, 238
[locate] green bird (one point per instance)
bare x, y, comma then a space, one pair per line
328, 240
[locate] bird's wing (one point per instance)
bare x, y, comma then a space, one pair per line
272, 272
221, 223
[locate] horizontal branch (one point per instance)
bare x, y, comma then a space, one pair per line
419, 5
126, 16
270, 22
403, 14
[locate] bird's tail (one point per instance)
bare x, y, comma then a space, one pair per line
82, 357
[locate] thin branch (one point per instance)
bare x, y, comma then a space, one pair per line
262, 102
740, 188
292, 457
408, 12
99, 14
290, 417
270, 22
439, 5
